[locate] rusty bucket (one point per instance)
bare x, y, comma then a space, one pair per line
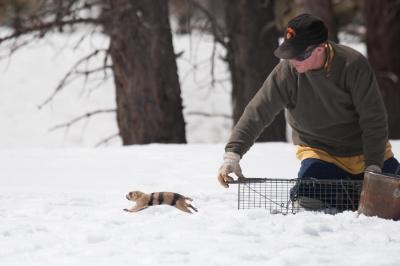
380, 196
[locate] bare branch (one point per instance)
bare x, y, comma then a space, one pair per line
16, 45
217, 31
72, 73
92, 71
209, 114
107, 140
43, 28
212, 60
79, 118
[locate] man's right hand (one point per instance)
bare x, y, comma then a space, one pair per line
230, 165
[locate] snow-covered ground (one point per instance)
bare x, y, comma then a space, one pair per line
61, 200
64, 207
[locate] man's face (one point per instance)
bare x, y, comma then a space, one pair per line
310, 63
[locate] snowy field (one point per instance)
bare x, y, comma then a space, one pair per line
64, 207
61, 199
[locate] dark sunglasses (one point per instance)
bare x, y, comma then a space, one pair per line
306, 53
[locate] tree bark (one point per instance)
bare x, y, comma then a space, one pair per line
253, 37
148, 96
383, 38
324, 10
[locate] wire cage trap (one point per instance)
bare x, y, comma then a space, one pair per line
294, 195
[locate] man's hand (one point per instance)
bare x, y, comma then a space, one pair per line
230, 165
373, 168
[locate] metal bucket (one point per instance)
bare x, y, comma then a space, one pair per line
380, 196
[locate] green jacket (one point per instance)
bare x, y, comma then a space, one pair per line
340, 111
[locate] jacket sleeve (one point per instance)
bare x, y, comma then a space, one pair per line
371, 110
271, 98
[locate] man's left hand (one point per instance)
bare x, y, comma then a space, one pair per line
373, 168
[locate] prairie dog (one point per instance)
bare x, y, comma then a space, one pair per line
144, 200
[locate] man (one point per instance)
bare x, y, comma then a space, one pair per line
333, 105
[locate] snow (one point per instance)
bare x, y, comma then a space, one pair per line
64, 207
61, 200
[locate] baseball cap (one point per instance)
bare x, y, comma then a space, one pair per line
301, 32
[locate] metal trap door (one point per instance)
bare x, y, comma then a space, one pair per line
269, 194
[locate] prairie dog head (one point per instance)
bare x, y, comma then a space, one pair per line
135, 195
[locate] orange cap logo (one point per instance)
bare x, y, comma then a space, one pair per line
290, 33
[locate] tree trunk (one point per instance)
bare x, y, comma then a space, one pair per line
253, 37
149, 105
324, 10
383, 38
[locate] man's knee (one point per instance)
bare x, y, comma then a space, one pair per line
321, 170
311, 168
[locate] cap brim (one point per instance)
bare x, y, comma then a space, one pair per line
288, 51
